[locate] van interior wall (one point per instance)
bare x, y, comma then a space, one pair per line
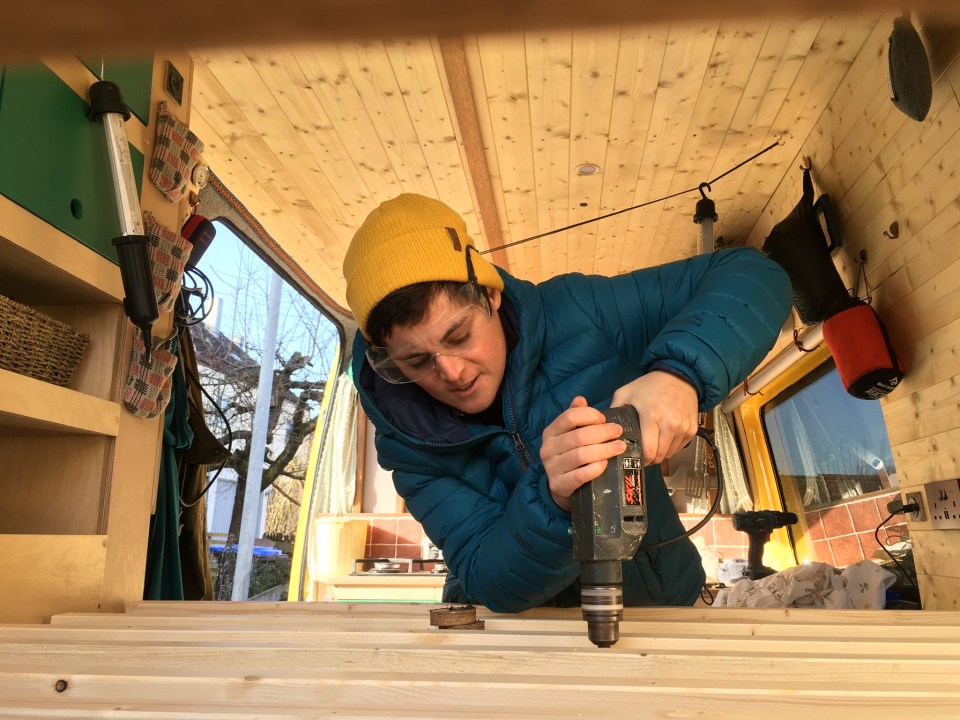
881, 167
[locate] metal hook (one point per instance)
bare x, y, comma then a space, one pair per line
702, 193
806, 164
100, 76
894, 232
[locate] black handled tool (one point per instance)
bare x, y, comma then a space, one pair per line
758, 524
609, 521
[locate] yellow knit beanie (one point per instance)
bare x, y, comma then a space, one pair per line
404, 241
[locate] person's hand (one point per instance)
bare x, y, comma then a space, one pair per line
668, 410
576, 447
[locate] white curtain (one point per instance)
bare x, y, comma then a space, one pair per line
736, 492
337, 466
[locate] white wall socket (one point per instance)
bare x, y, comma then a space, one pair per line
943, 504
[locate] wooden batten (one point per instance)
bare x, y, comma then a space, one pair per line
296, 660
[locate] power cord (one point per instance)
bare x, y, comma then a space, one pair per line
897, 507
635, 207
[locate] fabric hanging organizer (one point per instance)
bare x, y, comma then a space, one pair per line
176, 152
147, 390
798, 245
168, 256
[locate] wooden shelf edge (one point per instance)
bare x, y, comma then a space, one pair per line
30, 404
45, 242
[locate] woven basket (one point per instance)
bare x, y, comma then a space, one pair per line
36, 345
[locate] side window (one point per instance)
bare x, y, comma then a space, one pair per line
834, 464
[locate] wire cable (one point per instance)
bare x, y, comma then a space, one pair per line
876, 535
707, 437
229, 444
634, 207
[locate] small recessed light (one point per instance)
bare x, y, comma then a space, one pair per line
588, 169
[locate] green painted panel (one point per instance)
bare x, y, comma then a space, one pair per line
134, 78
54, 160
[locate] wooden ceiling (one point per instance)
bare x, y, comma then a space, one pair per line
312, 137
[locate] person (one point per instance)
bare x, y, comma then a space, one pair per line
486, 393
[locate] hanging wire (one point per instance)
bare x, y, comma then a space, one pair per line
197, 297
699, 187
861, 260
194, 305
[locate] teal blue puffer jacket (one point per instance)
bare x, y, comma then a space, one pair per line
480, 491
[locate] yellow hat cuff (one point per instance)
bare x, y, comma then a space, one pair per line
383, 265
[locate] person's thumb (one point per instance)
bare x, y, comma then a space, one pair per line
579, 401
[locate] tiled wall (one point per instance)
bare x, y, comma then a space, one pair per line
720, 536
844, 534
841, 535
394, 536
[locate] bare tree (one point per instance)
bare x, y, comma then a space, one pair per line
230, 368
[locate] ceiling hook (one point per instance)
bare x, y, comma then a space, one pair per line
701, 187
893, 232
805, 163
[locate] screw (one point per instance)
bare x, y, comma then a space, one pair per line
61, 685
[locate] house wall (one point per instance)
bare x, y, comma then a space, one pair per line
880, 167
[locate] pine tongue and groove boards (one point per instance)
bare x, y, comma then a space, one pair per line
298, 660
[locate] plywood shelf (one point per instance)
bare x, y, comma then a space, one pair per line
40, 265
31, 407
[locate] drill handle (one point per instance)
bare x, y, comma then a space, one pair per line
758, 538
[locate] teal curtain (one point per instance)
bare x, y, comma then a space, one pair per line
164, 577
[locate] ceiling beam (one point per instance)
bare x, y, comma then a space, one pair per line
461, 94
120, 26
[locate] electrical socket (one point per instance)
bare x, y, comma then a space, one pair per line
174, 83
915, 497
943, 504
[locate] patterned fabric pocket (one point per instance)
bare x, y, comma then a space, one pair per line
147, 390
175, 154
169, 252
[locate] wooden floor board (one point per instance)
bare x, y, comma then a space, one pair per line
300, 660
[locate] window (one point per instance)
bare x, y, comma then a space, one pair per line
829, 446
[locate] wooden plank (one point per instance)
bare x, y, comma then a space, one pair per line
635, 89
420, 79
815, 641
40, 406
41, 258
504, 75
48, 574
549, 75
555, 666
107, 26
460, 89
460, 696
686, 56
775, 67
594, 60
362, 660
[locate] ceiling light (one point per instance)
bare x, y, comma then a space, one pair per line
588, 169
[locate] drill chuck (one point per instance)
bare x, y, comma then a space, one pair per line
602, 607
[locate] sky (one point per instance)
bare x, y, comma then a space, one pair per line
241, 282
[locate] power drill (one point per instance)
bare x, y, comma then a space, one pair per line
758, 524
609, 518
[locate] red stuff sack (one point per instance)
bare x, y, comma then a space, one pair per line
861, 349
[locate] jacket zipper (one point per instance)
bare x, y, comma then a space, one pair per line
526, 456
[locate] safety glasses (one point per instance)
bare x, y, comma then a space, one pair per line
456, 333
